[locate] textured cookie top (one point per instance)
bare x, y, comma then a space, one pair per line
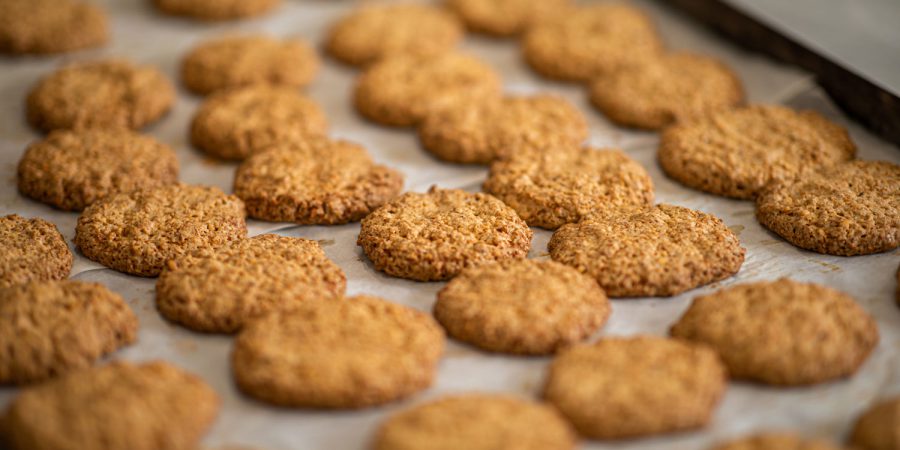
374, 32
878, 428
108, 94
71, 169
775, 441
847, 209
433, 236
50, 26
476, 422
505, 17
782, 332
121, 405
31, 250
346, 353
480, 131
629, 387
736, 153
138, 232
216, 9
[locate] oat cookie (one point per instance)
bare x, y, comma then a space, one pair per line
525, 307
219, 290
346, 353
433, 236
70, 169
563, 184
235, 124
50, 26
503, 18
736, 153
49, 328
775, 441
402, 90
848, 209
31, 250
640, 386
213, 10
106, 93
478, 422
316, 181
879, 427
138, 232
121, 405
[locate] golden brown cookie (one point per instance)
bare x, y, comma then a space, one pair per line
31, 250
503, 18
848, 209
550, 187
640, 386
70, 169
121, 405
50, 26
315, 181
478, 132
235, 124
433, 236
476, 422
879, 427
775, 441
782, 332
345, 353
106, 93
735, 153
403, 90
219, 290
140, 231
214, 10
49, 328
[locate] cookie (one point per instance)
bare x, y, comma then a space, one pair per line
588, 41
121, 405
630, 387
563, 184
402, 90
782, 332
878, 428
526, 307
219, 290
100, 94
237, 123
677, 87
433, 236
50, 26
658, 252
775, 441
735, 153
138, 232
476, 422
49, 328
316, 181
346, 353
70, 169
478, 132
504, 18
214, 10
31, 250
848, 209
375, 32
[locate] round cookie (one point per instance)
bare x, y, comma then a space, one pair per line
49, 328
121, 405
630, 387
219, 290
526, 307
70, 169
659, 252
782, 332
105, 94
235, 124
433, 236
31, 250
735, 153
775, 441
138, 232
677, 87
563, 184
346, 353
50, 26
403, 90
479, 132
879, 427
214, 10
316, 181
375, 32
476, 422
847, 209
503, 18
